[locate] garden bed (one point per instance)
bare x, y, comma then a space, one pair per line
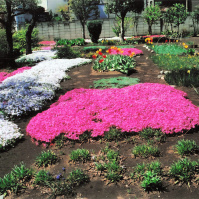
99, 187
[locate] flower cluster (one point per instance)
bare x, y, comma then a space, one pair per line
30, 90
149, 40
130, 109
184, 45
9, 133
47, 43
4, 75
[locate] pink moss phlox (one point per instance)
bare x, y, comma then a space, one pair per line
126, 51
154, 36
130, 109
4, 75
47, 43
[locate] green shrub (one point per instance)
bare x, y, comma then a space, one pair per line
183, 77
66, 52
46, 158
94, 28
186, 147
3, 44
19, 39
114, 82
120, 63
80, 155
71, 42
43, 177
184, 170
145, 151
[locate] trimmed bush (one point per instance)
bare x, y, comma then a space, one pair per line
94, 28
66, 52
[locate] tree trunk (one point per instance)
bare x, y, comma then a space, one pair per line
150, 29
122, 30
83, 30
11, 61
28, 36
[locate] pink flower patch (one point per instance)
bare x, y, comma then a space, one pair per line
130, 109
126, 51
47, 43
4, 75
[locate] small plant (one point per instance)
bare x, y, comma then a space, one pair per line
184, 170
183, 77
186, 147
113, 134
42, 177
77, 177
151, 181
112, 155
71, 42
46, 158
80, 155
145, 151
150, 133
115, 82
66, 52
60, 140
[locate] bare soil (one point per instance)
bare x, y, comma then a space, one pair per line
98, 187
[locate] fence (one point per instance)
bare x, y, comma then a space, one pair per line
72, 30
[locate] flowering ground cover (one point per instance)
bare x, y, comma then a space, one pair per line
5, 75
34, 87
124, 51
130, 109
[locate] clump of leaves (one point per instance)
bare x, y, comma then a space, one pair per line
186, 147
115, 82
66, 52
80, 155
184, 170
145, 151
42, 177
46, 158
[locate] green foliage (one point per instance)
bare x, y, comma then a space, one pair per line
184, 170
43, 177
117, 25
121, 63
19, 38
151, 15
46, 158
151, 181
66, 52
170, 62
3, 44
145, 151
95, 29
183, 77
80, 155
71, 42
172, 49
14, 181
93, 48
115, 82
151, 133
195, 19
108, 42
99, 166
186, 147
113, 134
77, 177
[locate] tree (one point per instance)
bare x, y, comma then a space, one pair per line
169, 17
151, 15
83, 10
195, 19
8, 12
121, 8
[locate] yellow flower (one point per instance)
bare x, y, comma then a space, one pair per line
188, 71
176, 40
112, 47
107, 51
97, 51
102, 41
183, 44
100, 50
122, 52
186, 46
119, 49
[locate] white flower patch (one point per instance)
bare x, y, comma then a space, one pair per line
9, 132
30, 90
38, 56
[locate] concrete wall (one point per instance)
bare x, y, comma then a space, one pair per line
72, 30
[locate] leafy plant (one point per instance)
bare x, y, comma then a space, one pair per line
66, 52
71, 42
145, 150
186, 147
183, 77
46, 158
123, 64
112, 155
184, 170
77, 177
113, 134
80, 155
114, 82
43, 177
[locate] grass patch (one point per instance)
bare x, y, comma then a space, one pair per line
43, 177
145, 151
115, 82
80, 155
46, 158
186, 147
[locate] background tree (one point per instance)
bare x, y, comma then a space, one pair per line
151, 15
83, 10
169, 17
121, 8
195, 19
8, 12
